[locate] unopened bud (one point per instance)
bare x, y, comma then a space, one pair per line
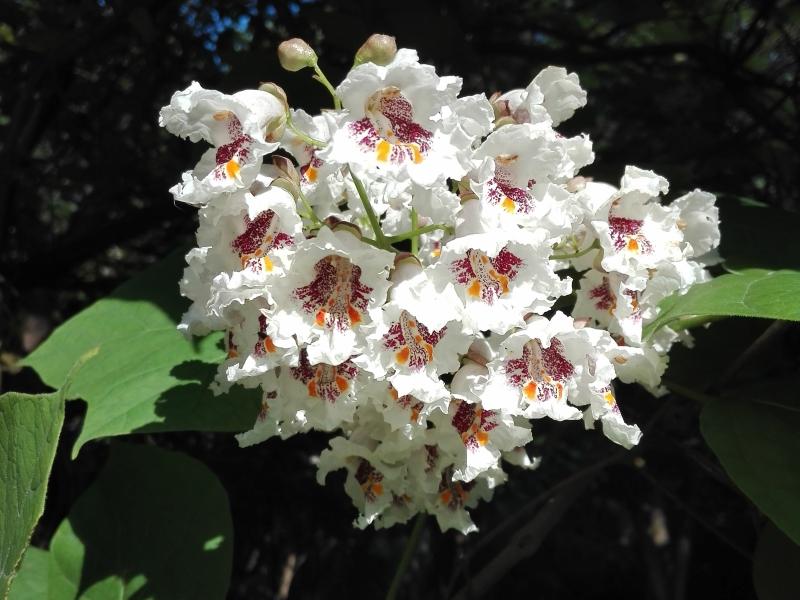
499, 106
597, 263
581, 322
379, 49
402, 257
339, 225
275, 129
287, 168
479, 352
503, 121
465, 192
287, 184
295, 54
406, 266
277, 91
576, 184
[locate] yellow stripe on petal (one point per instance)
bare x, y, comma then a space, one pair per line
232, 169
415, 153
382, 149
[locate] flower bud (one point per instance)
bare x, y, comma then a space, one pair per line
499, 106
338, 225
406, 266
503, 121
465, 192
295, 54
287, 168
286, 184
275, 129
479, 352
379, 49
597, 263
576, 184
277, 91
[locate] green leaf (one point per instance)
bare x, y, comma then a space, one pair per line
750, 293
29, 430
755, 436
155, 524
30, 582
112, 588
776, 563
147, 377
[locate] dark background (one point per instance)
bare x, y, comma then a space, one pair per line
705, 93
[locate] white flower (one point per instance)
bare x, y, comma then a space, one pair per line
636, 234
499, 277
370, 484
469, 380
643, 365
252, 352
402, 413
699, 220
476, 436
326, 393
552, 97
523, 106
403, 119
562, 93
276, 418
435, 204
453, 497
513, 159
239, 129
537, 370
412, 356
327, 293
244, 244
604, 408
610, 303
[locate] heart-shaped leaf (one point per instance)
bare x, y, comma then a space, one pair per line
155, 524
146, 377
755, 436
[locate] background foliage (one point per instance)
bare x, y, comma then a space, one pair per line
704, 93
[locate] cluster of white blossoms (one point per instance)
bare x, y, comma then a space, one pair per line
401, 280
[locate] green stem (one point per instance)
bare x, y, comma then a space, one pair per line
410, 235
311, 214
320, 76
380, 238
414, 239
686, 392
405, 560
679, 324
369, 241
692, 322
302, 134
595, 245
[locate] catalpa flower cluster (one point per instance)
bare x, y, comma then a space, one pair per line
394, 270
